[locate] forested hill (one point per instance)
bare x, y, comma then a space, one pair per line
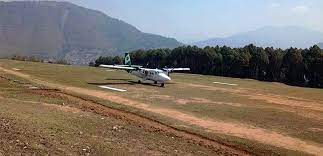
301, 67
60, 29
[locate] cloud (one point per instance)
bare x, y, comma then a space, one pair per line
300, 9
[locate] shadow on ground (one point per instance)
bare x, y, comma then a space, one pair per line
126, 82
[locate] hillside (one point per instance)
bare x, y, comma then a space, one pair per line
278, 37
64, 30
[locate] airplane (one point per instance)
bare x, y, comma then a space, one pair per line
156, 75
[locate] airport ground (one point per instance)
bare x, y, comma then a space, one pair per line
62, 109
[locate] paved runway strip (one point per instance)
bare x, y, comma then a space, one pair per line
230, 84
16, 69
114, 89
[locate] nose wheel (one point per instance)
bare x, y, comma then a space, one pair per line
162, 85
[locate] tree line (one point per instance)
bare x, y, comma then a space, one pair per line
38, 59
301, 67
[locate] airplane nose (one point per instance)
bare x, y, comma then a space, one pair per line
165, 77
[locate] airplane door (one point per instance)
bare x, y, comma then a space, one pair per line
150, 75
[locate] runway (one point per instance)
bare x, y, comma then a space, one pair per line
114, 89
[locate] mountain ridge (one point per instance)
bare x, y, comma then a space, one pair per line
320, 45
52, 29
269, 36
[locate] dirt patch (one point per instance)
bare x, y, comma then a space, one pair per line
15, 73
201, 100
54, 106
11, 143
207, 101
166, 97
316, 129
194, 100
63, 108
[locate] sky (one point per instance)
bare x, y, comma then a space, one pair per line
194, 20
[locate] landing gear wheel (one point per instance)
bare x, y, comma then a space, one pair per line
162, 85
139, 81
155, 82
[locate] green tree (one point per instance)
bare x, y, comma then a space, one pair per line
275, 58
258, 61
293, 66
313, 59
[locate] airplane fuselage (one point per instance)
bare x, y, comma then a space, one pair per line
155, 75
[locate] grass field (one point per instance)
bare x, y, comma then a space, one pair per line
260, 117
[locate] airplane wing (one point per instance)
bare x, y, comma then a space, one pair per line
176, 69
135, 66
117, 67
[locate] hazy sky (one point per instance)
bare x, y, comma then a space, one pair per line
201, 19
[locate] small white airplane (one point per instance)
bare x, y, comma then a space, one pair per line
155, 75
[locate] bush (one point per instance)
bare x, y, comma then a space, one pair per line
26, 58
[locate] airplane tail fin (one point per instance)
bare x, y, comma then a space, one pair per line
127, 60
